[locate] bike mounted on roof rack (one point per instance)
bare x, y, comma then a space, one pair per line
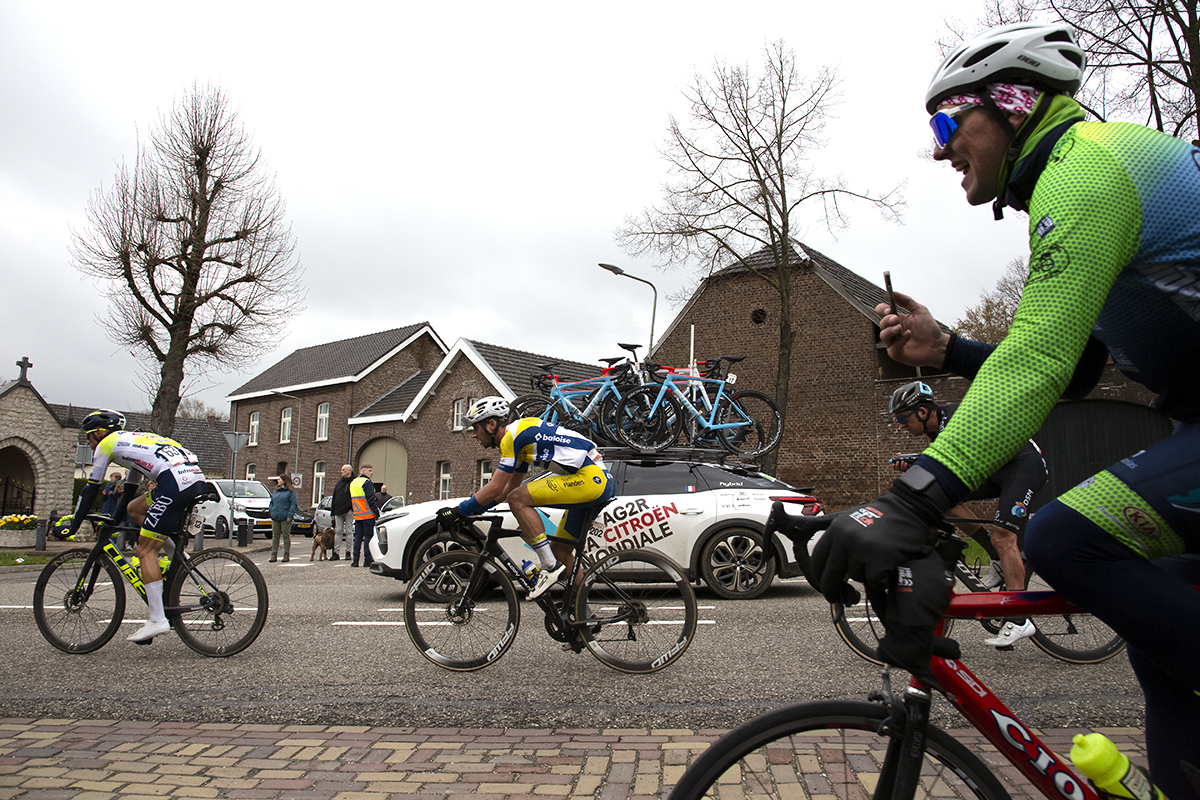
708, 455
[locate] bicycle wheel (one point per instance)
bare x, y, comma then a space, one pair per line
643, 429
861, 630
529, 405
641, 611
763, 426
829, 749
1074, 638
73, 620
455, 631
220, 607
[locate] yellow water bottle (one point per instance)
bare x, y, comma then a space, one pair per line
1109, 770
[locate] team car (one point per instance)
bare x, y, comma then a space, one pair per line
708, 517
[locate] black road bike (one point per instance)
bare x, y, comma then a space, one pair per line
633, 610
215, 600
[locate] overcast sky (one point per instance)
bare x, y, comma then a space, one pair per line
463, 164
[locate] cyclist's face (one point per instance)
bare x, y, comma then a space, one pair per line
913, 420
977, 150
485, 432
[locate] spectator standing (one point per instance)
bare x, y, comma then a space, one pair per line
111, 494
366, 510
383, 495
340, 513
283, 506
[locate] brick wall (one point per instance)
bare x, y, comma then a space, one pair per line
48, 447
837, 437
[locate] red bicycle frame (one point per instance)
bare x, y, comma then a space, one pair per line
1048, 772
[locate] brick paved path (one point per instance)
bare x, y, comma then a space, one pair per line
46, 759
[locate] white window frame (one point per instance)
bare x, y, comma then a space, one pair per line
323, 422
444, 480
253, 441
318, 482
251, 472
460, 411
483, 471
285, 426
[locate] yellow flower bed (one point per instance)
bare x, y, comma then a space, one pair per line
18, 522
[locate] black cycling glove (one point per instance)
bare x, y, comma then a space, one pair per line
448, 516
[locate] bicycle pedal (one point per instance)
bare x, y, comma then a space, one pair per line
146, 641
1006, 647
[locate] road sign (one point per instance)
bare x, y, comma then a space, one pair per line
236, 440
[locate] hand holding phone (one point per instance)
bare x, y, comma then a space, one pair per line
887, 283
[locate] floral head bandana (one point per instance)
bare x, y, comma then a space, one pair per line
1008, 96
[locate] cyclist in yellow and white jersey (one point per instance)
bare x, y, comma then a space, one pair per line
577, 480
178, 480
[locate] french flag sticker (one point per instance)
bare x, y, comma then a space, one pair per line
691, 488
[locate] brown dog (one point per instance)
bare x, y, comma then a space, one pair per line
324, 540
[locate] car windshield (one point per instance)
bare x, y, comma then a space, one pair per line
393, 504
244, 489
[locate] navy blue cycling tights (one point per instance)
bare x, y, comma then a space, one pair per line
1151, 603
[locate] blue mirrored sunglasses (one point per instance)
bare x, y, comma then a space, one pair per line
902, 418
944, 124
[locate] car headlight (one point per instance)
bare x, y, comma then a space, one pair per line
239, 507
381, 538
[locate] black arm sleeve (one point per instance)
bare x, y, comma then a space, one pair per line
965, 356
1088, 370
131, 490
87, 498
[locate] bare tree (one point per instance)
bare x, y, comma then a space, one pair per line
739, 174
1143, 56
195, 408
990, 320
192, 250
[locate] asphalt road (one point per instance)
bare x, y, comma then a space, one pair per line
334, 652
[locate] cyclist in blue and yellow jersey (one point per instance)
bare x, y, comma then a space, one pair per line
178, 480
1114, 272
577, 480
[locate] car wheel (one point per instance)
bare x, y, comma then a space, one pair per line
222, 528
432, 547
735, 564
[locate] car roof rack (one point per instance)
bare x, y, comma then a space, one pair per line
709, 455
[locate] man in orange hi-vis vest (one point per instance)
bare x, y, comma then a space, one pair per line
365, 507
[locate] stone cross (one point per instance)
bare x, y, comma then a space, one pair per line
24, 364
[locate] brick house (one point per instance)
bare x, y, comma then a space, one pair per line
837, 437
393, 399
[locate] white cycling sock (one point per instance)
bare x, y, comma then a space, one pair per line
154, 598
545, 554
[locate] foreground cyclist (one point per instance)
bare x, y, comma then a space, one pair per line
915, 409
577, 480
178, 481
1114, 236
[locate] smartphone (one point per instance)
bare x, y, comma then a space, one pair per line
887, 283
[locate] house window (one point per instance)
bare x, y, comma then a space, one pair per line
253, 429
250, 472
285, 426
484, 472
318, 482
323, 422
460, 411
443, 480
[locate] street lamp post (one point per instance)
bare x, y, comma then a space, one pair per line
295, 424
654, 309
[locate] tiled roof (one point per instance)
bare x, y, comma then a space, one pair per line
209, 445
331, 361
398, 399
516, 366
855, 289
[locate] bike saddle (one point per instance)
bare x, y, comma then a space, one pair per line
632, 348
611, 361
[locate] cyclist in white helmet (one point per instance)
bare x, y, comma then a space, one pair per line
577, 480
1114, 266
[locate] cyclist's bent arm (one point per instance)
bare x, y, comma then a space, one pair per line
1075, 259
497, 489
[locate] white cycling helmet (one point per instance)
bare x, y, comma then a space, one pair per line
487, 408
1045, 56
